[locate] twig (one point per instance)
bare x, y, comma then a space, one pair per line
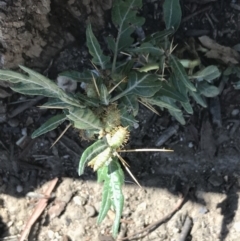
196, 13
38, 210
25, 106
185, 230
156, 224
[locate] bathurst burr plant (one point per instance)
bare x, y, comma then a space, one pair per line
130, 72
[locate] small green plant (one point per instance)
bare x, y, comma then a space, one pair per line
129, 73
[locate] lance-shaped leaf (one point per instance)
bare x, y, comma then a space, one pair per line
33, 89
176, 114
180, 72
86, 76
158, 101
91, 152
187, 107
198, 98
116, 179
172, 14
145, 85
84, 119
102, 174
170, 91
87, 100
125, 19
158, 36
127, 118
113, 178
104, 95
49, 125
208, 90
36, 84
131, 104
95, 50
106, 200
184, 91
209, 74
147, 48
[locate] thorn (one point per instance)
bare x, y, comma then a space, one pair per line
130, 173
60, 136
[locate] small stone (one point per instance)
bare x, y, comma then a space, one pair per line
19, 188
141, 207
79, 200
215, 180
24, 131
50, 234
90, 210
235, 112
13, 122
190, 145
236, 226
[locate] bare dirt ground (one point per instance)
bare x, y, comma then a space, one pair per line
204, 164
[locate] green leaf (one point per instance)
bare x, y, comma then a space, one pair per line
172, 14
208, 90
113, 178
147, 48
149, 67
131, 104
172, 92
209, 73
187, 107
106, 200
104, 96
49, 125
197, 97
158, 36
102, 173
176, 114
230, 70
11, 76
116, 179
89, 153
36, 84
86, 76
125, 19
87, 100
95, 50
180, 73
123, 68
84, 119
33, 89
110, 42
157, 100
127, 118
140, 84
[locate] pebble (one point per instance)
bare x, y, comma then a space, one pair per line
190, 145
215, 180
90, 210
24, 131
13, 122
235, 112
50, 234
236, 226
79, 200
19, 188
